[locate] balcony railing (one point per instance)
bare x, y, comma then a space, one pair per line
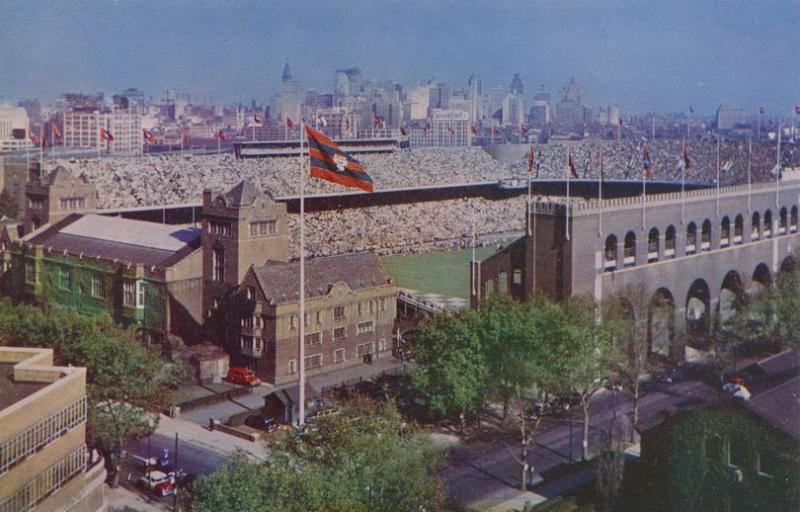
46, 483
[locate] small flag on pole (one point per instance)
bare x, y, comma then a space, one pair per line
289, 123
531, 160
648, 164
687, 164
451, 131
474, 129
571, 164
106, 135
402, 131
330, 163
34, 139
148, 136
54, 132
221, 135
377, 121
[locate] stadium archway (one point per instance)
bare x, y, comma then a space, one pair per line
698, 306
762, 279
731, 290
661, 323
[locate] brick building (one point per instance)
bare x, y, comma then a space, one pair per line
44, 461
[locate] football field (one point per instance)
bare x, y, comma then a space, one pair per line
442, 272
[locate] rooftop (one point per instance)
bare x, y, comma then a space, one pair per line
116, 239
12, 391
280, 281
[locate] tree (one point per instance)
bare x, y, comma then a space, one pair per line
451, 367
127, 382
8, 206
363, 458
589, 352
777, 308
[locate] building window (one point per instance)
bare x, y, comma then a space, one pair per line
250, 293
360, 308
319, 317
382, 345
128, 293
218, 265
338, 333
292, 322
314, 361
364, 349
35, 204
96, 286
292, 366
338, 313
72, 203
247, 322
269, 227
383, 303
64, 278
338, 355
516, 276
315, 338
140, 292
219, 228
365, 327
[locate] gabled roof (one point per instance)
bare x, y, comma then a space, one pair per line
243, 194
116, 239
58, 175
280, 281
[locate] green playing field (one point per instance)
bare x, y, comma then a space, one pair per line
442, 272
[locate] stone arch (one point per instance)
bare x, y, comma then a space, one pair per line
783, 221
767, 231
725, 232
698, 307
787, 269
629, 250
762, 278
669, 241
738, 229
730, 292
611, 252
755, 226
705, 236
691, 238
661, 323
652, 245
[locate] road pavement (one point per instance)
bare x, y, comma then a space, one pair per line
484, 469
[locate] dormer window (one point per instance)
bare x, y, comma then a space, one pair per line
250, 293
219, 203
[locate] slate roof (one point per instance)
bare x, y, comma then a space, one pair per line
780, 406
123, 240
280, 281
243, 194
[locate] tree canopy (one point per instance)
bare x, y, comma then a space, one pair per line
362, 458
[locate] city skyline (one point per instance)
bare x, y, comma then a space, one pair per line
613, 54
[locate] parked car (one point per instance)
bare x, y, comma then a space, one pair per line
242, 377
266, 423
158, 483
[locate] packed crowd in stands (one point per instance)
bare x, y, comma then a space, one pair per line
172, 179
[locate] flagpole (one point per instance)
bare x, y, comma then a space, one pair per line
683, 183
302, 348
41, 148
530, 169
600, 196
718, 184
566, 208
749, 171
778, 169
472, 267
644, 188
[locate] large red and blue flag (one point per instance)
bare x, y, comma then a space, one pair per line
330, 163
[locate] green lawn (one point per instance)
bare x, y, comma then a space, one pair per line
443, 272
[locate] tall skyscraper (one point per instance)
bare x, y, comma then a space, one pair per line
728, 117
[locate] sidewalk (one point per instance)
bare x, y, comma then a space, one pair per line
124, 500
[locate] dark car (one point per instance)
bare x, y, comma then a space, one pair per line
266, 423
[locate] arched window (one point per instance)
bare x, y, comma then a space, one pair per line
782, 222
610, 253
669, 242
652, 245
630, 249
755, 232
705, 241
725, 232
738, 229
767, 224
691, 238
793, 219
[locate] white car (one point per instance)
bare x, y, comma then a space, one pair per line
158, 483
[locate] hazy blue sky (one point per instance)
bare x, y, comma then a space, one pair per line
641, 54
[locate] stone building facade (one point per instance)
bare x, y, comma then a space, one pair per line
691, 253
